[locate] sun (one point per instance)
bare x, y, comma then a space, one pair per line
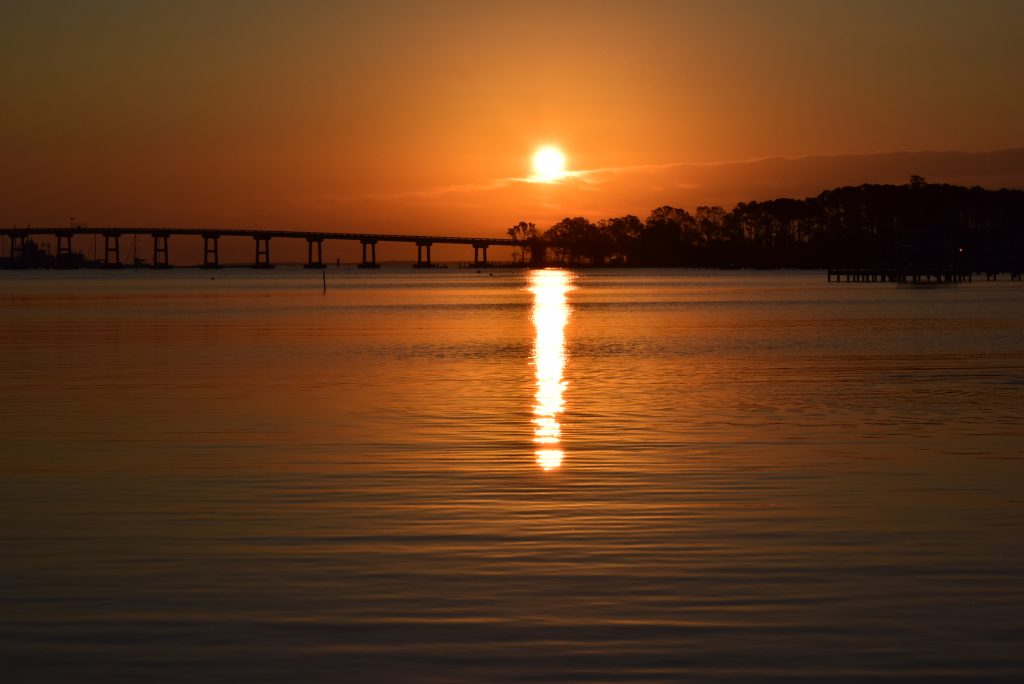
548, 164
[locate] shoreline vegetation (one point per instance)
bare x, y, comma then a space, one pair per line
918, 226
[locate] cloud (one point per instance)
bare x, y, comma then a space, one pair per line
491, 205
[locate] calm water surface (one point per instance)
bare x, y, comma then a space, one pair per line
649, 476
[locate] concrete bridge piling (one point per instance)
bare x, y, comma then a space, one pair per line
211, 244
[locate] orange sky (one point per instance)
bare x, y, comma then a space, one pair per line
422, 117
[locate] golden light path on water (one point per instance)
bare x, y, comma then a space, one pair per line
550, 315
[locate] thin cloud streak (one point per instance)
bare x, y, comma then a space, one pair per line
637, 188
590, 176
585, 175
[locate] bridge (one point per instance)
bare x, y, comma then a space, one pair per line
211, 244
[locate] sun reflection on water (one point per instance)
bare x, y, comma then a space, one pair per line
550, 314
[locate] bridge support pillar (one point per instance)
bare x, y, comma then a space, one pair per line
64, 244
160, 258
112, 248
262, 252
372, 263
315, 257
211, 256
420, 263
479, 247
17, 245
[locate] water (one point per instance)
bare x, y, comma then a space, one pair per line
645, 476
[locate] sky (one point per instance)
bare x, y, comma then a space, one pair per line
423, 116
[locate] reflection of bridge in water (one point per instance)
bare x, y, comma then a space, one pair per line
211, 244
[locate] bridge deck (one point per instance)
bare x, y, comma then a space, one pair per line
259, 233
112, 235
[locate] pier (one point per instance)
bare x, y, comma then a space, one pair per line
919, 276
211, 244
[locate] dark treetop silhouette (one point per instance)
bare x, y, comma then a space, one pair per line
917, 225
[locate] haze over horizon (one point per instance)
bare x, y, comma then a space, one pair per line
424, 116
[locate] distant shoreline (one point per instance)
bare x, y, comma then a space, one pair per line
918, 226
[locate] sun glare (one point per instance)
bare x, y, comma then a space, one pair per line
550, 315
548, 164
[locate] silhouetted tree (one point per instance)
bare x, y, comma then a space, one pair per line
572, 238
624, 233
916, 225
661, 243
523, 233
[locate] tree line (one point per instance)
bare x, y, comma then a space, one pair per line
916, 225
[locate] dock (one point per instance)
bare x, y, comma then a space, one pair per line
913, 276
